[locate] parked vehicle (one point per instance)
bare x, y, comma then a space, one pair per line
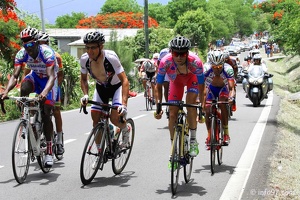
233, 51
257, 84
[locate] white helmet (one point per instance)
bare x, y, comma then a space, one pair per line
216, 57
155, 56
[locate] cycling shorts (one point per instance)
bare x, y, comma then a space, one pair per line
214, 92
39, 84
176, 88
103, 94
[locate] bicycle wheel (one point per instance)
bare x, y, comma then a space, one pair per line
41, 157
151, 100
122, 155
92, 156
220, 147
21, 153
188, 166
175, 164
54, 146
213, 145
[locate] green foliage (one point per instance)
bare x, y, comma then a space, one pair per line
176, 8
12, 110
112, 6
197, 26
158, 12
158, 39
71, 91
69, 21
31, 20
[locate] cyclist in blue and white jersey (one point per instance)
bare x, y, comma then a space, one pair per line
42, 79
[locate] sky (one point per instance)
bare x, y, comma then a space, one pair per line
54, 8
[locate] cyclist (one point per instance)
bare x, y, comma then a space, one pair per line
42, 80
219, 83
183, 69
45, 39
111, 81
148, 71
166, 82
232, 62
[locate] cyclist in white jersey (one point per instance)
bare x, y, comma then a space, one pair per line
111, 81
42, 79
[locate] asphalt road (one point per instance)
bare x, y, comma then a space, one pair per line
146, 175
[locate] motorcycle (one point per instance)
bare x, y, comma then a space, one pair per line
257, 84
239, 77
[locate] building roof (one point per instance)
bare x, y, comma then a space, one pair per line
75, 33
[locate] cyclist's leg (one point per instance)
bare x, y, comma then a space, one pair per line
58, 123
223, 96
175, 95
191, 97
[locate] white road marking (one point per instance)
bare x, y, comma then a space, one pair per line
69, 140
1, 166
237, 182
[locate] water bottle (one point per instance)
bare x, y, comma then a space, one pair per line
111, 131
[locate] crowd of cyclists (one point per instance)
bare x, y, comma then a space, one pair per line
173, 72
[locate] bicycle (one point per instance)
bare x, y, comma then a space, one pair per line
217, 134
29, 142
149, 95
54, 146
179, 151
93, 157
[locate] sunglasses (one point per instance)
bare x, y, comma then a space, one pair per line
29, 44
217, 66
181, 54
91, 48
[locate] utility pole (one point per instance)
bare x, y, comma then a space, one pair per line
146, 28
42, 15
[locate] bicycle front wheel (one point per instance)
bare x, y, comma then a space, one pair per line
92, 154
175, 164
122, 155
220, 147
21, 153
41, 157
213, 143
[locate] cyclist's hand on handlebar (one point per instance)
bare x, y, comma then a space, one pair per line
42, 97
122, 110
84, 100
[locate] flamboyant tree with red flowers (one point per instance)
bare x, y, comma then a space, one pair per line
10, 27
116, 20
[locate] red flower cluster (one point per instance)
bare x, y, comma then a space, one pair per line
116, 20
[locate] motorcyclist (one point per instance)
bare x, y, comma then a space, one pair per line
257, 62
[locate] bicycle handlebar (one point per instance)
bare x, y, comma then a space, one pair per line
82, 107
19, 99
181, 104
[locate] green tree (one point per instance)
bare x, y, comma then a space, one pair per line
69, 21
195, 25
158, 12
176, 8
70, 90
31, 20
112, 6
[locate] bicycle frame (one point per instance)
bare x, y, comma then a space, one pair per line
26, 110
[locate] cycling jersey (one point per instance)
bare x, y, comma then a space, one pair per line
179, 81
168, 66
112, 86
212, 91
46, 58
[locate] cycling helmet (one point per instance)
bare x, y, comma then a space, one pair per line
43, 37
93, 37
180, 43
155, 56
29, 34
226, 54
216, 57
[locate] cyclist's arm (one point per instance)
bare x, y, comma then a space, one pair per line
231, 88
84, 84
13, 80
50, 82
125, 87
